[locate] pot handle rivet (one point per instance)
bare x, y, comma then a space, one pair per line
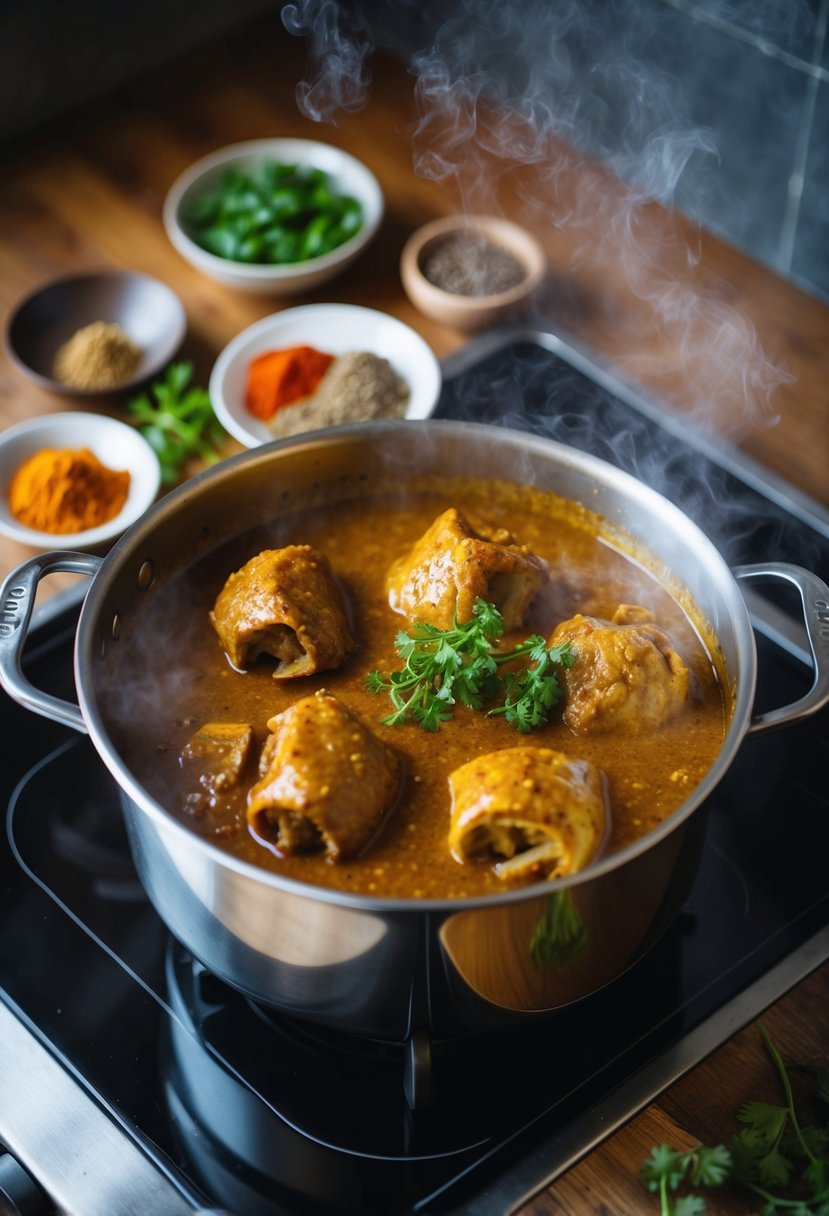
17, 601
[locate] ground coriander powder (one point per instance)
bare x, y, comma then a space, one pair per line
99, 356
358, 386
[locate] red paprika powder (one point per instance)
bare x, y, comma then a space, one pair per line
280, 377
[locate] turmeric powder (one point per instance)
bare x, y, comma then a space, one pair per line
280, 377
66, 491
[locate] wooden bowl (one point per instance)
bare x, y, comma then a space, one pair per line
471, 311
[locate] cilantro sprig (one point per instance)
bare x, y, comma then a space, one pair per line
772, 1154
444, 666
178, 422
533, 691
666, 1170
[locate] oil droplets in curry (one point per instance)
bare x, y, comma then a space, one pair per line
266, 740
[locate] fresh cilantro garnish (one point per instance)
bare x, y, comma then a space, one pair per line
443, 666
533, 691
784, 1164
178, 422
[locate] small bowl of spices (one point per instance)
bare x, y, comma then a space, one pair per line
471, 271
319, 366
273, 216
74, 480
96, 333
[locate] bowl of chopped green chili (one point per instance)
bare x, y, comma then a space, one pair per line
273, 216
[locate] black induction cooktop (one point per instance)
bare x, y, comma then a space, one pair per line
135, 1081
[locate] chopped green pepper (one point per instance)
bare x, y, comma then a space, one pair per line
275, 214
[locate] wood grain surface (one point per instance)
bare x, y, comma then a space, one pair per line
690, 319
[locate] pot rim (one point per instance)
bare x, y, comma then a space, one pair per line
634, 490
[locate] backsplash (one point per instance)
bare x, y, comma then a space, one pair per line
718, 107
755, 75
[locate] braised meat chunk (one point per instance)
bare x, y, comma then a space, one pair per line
534, 812
626, 674
219, 752
326, 781
287, 604
452, 565
214, 761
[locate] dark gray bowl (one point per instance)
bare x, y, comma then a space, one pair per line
148, 312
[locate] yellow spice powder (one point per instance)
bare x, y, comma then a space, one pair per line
63, 491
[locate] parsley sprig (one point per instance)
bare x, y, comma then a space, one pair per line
771, 1154
444, 666
178, 422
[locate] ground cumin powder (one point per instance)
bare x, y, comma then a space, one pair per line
98, 356
62, 491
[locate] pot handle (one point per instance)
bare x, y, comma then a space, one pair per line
17, 601
814, 595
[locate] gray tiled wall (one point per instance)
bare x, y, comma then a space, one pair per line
736, 92
757, 76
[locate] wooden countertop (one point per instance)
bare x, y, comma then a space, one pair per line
691, 319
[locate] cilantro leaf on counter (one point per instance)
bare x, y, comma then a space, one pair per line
667, 1169
772, 1154
178, 422
443, 666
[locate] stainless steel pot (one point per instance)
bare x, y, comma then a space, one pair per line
387, 967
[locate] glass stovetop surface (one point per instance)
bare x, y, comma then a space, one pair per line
258, 1114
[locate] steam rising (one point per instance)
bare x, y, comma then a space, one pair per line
340, 50
537, 95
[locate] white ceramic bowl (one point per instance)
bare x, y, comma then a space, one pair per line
335, 329
114, 443
348, 176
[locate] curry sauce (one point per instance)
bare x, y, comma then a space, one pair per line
175, 688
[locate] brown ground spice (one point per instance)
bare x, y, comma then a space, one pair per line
468, 265
98, 356
63, 491
357, 387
